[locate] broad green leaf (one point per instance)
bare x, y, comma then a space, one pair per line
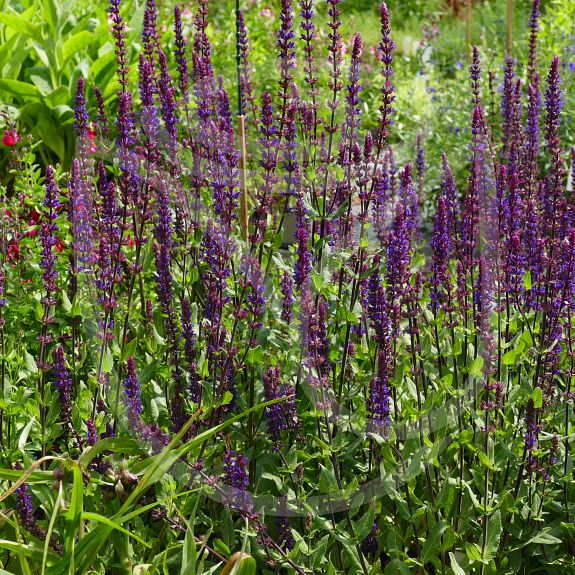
365, 524
19, 23
457, 570
476, 366
509, 357
493, 536
537, 397
431, 544
50, 14
78, 42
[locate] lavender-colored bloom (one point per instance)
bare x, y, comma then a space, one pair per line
48, 237
133, 395
381, 197
190, 352
150, 123
92, 432
164, 288
380, 387
236, 477
386, 48
102, 117
398, 256
80, 111
150, 36
533, 33
449, 192
553, 105
370, 544
442, 246
245, 74
287, 62
119, 33
507, 101
475, 76
318, 339
531, 436
353, 99
252, 282
288, 298
168, 101
180, 53
410, 200
279, 416
302, 267
308, 35
63, 384
532, 132
286, 540
25, 510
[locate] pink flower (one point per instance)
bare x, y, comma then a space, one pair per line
11, 137
266, 13
91, 136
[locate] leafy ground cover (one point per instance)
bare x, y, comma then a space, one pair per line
191, 386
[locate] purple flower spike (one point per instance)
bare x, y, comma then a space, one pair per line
386, 48
534, 31
180, 54
48, 237
63, 383
80, 111
236, 477
26, 512
475, 76
441, 245
280, 416
133, 395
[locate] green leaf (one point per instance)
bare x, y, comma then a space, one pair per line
476, 366
542, 538
473, 552
50, 14
493, 536
240, 564
486, 461
457, 570
537, 397
78, 42
19, 24
527, 281
509, 357
365, 524
114, 444
18, 88
74, 513
33, 551
30, 363
431, 544
189, 554
90, 516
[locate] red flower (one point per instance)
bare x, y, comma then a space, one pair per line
13, 251
34, 217
60, 245
10, 138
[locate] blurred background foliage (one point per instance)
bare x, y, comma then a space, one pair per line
45, 45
